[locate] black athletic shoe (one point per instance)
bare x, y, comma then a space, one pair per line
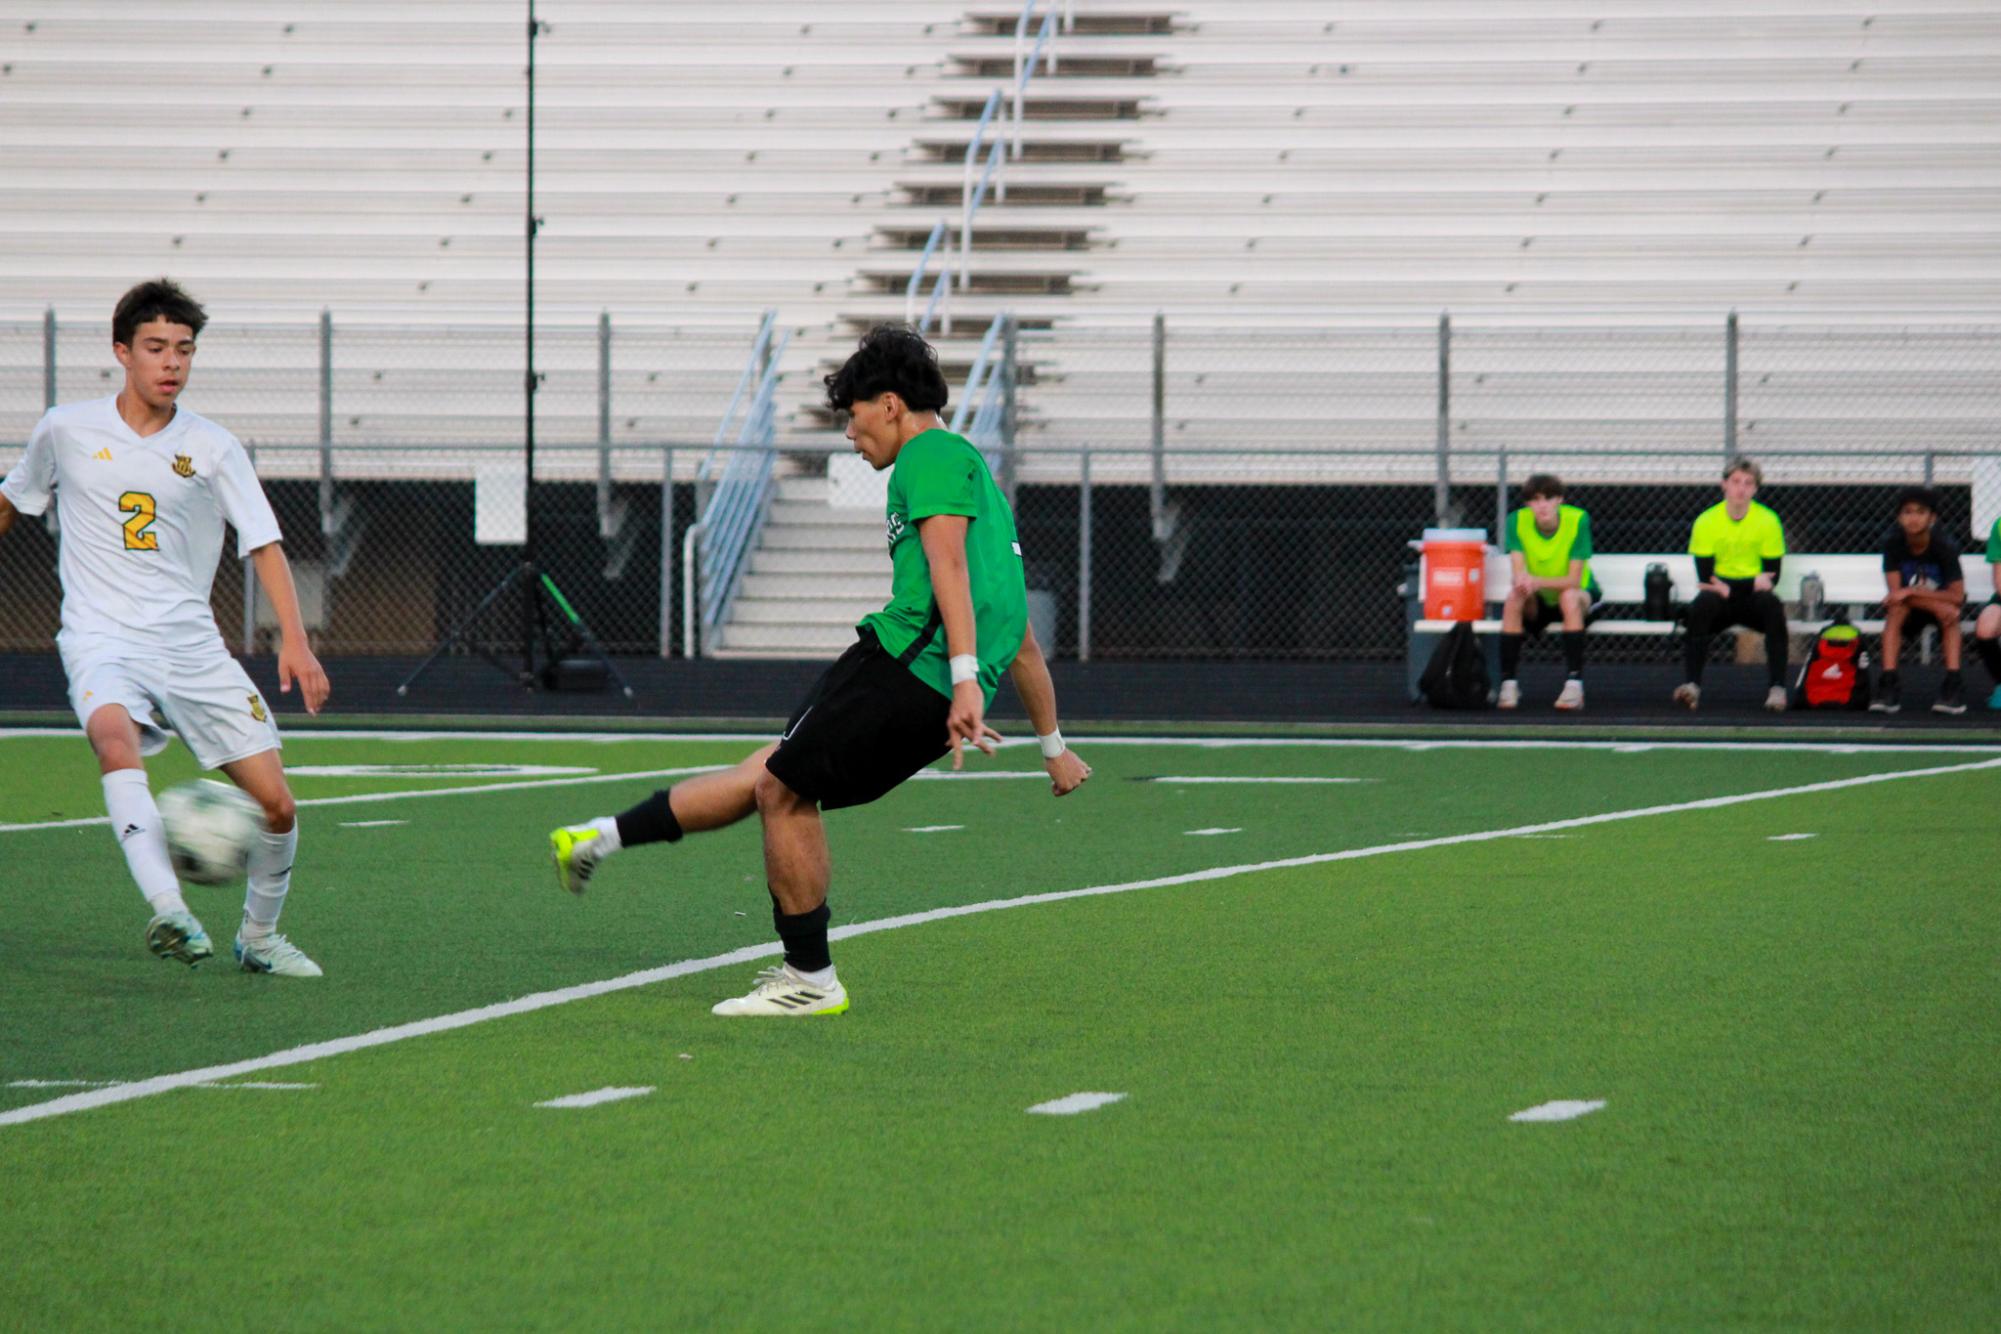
1951, 698
1889, 696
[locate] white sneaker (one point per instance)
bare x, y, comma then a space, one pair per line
1510, 696
275, 955
1572, 697
780, 991
1689, 693
1776, 699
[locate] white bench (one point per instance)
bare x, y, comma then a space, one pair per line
1847, 580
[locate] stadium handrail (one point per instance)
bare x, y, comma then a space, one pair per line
735, 513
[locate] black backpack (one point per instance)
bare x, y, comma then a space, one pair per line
1456, 676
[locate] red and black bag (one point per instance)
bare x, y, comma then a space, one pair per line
1836, 674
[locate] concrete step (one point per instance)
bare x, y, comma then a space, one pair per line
786, 641
872, 587
802, 490
823, 536
818, 514
802, 612
870, 564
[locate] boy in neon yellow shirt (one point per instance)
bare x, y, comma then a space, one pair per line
1549, 545
1737, 546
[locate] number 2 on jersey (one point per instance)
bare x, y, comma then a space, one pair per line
143, 509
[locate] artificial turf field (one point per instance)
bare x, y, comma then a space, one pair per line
1797, 1043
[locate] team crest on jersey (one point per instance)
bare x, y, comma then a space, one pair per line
257, 709
184, 466
893, 527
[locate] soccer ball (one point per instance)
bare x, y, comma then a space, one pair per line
210, 829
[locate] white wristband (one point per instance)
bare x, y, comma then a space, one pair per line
965, 667
1052, 745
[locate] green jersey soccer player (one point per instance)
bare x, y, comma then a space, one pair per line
915, 685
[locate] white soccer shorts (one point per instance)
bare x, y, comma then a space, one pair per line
204, 695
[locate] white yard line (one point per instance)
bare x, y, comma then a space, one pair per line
1245, 778
1208, 833
1789, 838
370, 824
1563, 1109
365, 797
598, 1096
1197, 742
1075, 1103
118, 1083
319, 1051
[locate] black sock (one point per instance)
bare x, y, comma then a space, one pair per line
1511, 654
1990, 656
1889, 676
805, 937
1573, 652
1952, 677
651, 821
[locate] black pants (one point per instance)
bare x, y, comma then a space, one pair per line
1746, 607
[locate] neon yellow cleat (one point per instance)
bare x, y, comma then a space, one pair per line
576, 856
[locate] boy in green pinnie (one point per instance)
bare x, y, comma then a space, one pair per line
1549, 545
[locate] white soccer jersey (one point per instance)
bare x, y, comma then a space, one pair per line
141, 520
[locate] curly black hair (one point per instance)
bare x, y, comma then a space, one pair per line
1918, 495
160, 299
890, 359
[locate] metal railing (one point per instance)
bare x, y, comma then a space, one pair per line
982, 411
977, 181
730, 518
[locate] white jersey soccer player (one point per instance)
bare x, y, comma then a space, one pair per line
142, 488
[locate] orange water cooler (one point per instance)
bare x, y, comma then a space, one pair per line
1454, 578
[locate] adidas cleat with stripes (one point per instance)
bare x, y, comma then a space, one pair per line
177, 935
575, 851
780, 991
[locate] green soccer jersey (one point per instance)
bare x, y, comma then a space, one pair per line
941, 473
1548, 555
1740, 546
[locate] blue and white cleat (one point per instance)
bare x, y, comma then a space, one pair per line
177, 935
275, 955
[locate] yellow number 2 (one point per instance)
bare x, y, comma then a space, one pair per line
143, 509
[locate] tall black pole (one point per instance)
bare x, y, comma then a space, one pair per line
529, 573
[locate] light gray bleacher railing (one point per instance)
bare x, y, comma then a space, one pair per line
993, 176
734, 515
983, 407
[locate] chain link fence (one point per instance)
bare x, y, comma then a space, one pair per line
1198, 493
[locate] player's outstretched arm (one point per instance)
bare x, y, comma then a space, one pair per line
1038, 695
295, 655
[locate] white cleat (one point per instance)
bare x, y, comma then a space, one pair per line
1572, 697
1775, 699
1510, 696
780, 991
275, 955
1688, 693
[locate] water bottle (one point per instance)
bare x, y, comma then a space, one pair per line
1812, 593
1659, 586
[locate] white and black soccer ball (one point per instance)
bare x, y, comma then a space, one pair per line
210, 830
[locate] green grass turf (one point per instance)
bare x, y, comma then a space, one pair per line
1798, 1055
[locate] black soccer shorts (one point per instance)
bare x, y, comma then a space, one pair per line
867, 725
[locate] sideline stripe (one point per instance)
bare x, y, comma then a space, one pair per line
1563, 1109
1198, 742
1075, 1103
317, 1051
364, 797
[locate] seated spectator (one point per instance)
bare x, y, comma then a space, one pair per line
1549, 545
1927, 587
1738, 546
1987, 629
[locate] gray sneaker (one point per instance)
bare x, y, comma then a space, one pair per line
177, 935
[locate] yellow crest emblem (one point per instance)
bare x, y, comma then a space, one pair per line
184, 466
257, 709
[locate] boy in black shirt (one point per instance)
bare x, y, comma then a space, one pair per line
1927, 587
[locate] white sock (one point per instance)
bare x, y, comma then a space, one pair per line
608, 840
819, 977
270, 876
136, 822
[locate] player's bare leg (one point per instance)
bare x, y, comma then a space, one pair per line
135, 820
797, 869
259, 947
